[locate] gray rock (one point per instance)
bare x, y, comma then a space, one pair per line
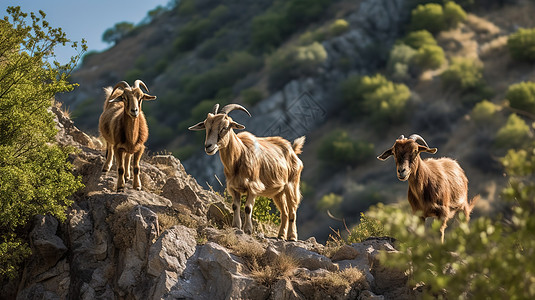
171, 251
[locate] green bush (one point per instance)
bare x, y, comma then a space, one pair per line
514, 134
191, 34
338, 27
368, 227
117, 32
35, 177
375, 96
330, 202
522, 96
484, 112
420, 38
463, 74
428, 17
339, 149
453, 14
521, 44
429, 57
186, 7
399, 61
251, 96
265, 211
293, 62
268, 31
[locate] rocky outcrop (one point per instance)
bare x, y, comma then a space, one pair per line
160, 244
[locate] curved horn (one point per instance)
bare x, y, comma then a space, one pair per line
230, 107
401, 137
215, 109
121, 84
138, 82
418, 138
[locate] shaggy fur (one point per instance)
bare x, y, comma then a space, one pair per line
123, 126
437, 187
256, 166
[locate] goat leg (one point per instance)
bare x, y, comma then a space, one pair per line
236, 197
137, 169
249, 204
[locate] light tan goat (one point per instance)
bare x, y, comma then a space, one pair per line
123, 125
255, 166
437, 187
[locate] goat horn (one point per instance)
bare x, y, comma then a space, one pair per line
401, 137
215, 109
230, 107
122, 84
417, 138
138, 82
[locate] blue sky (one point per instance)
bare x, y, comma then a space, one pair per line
86, 19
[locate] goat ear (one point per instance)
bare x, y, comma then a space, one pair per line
385, 154
148, 97
236, 125
198, 126
428, 150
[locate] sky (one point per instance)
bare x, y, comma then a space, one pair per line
85, 19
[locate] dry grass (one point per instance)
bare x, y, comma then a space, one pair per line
340, 282
169, 219
270, 272
481, 26
122, 229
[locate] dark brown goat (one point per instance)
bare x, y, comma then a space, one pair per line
255, 166
437, 187
123, 126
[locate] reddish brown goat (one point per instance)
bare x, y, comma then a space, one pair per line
123, 126
437, 187
256, 166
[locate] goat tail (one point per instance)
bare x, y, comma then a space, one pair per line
468, 208
298, 145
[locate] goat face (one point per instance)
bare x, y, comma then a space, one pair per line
132, 97
218, 125
406, 153
217, 128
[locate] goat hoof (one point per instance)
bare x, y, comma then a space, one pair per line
120, 189
138, 188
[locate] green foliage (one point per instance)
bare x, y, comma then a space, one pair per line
429, 57
429, 17
186, 7
420, 38
514, 134
338, 27
399, 60
267, 31
330, 202
295, 61
191, 34
117, 32
522, 96
484, 112
377, 96
435, 17
464, 74
264, 212
251, 96
34, 175
339, 149
521, 44
368, 227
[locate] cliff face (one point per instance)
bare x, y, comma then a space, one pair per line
165, 242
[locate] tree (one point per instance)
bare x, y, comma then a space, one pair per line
117, 32
34, 175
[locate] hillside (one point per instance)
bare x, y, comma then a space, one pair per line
198, 54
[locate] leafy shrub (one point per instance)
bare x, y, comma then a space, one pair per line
186, 7
329, 202
251, 96
463, 74
382, 99
191, 34
338, 27
117, 32
292, 62
399, 60
420, 38
368, 227
453, 14
522, 96
267, 31
35, 177
513, 134
521, 44
429, 57
429, 17
265, 211
484, 112
339, 149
